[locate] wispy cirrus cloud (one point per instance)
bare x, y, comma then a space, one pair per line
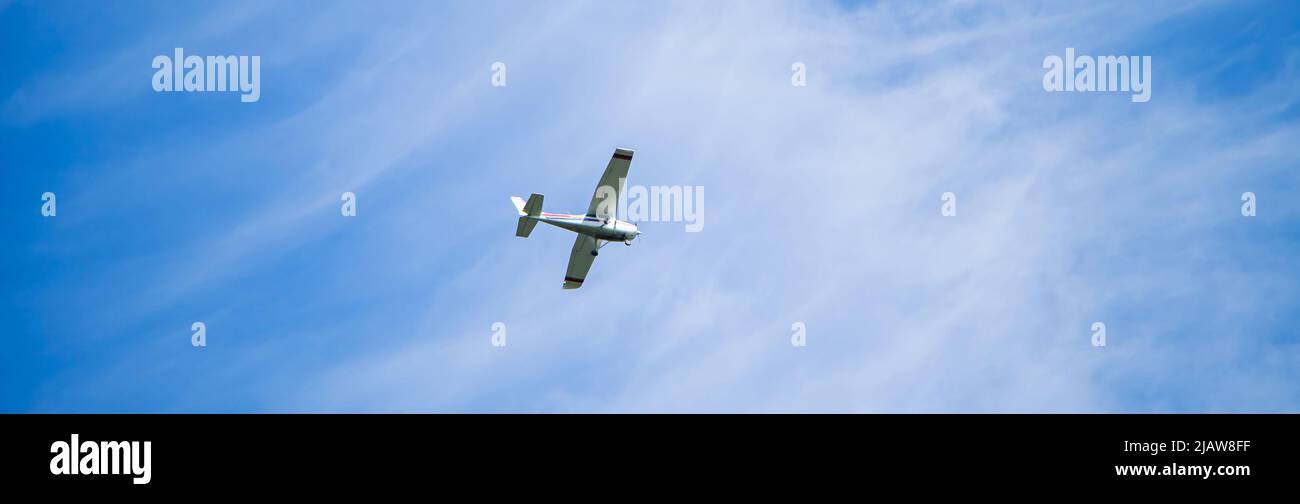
822, 207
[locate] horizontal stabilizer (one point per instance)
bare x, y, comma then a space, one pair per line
534, 206
525, 227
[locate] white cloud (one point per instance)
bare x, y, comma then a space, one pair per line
822, 207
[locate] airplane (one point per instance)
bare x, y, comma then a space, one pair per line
600, 226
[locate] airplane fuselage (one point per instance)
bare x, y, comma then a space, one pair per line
608, 229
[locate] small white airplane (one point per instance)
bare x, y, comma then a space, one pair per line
597, 228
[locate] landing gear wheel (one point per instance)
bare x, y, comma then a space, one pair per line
594, 253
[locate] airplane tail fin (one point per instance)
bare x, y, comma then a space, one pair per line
532, 208
527, 211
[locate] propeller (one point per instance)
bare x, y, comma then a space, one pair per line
614, 219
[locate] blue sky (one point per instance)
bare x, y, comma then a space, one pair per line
822, 207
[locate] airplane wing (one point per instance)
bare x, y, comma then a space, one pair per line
605, 203
579, 261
